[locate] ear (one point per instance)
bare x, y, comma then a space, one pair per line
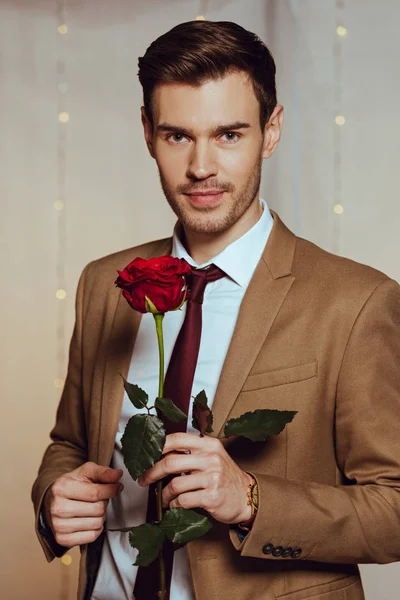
272, 131
148, 131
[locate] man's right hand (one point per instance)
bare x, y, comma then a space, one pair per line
75, 504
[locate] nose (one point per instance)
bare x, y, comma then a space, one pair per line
202, 161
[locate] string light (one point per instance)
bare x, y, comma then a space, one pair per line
61, 294
62, 29
58, 204
66, 559
340, 120
63, 117
58, 383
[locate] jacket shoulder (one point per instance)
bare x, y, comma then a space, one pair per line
336, 275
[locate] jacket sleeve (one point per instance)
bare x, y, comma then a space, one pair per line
68, 449
359, 522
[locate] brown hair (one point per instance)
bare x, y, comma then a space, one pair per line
197, 51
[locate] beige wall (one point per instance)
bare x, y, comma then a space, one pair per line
114, 200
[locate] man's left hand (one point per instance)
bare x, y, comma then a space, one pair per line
211, 479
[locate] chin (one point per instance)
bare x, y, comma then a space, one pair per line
206, 222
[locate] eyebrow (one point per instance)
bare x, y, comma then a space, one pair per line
216, 130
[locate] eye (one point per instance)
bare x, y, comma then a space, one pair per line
175, 135
232, 133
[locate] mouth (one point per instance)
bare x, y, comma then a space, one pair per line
211, 198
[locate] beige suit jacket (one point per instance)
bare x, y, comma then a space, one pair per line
316, 333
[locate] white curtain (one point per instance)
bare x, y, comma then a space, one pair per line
97, 164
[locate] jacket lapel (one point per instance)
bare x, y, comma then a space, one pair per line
264, 296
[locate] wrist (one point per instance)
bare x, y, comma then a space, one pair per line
250, 512
245, 516
246, 525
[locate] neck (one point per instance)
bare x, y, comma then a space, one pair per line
204, 246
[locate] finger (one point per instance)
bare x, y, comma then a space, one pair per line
180, 484
78, 538
188, 500
173, 463
63, 526
68, 509
98, 473
86, 491
187, 441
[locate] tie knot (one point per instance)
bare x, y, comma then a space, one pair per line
199, 279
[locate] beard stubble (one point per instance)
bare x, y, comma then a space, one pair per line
210, 219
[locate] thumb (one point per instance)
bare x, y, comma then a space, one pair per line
100, 473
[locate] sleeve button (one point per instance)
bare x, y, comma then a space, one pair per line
267, 548
277, 551
296, 553
287, 552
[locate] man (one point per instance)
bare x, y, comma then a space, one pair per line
289, 327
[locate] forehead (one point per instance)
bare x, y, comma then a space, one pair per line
228, 99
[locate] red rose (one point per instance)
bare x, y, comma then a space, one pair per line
161, 280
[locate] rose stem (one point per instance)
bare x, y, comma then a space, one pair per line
158, 317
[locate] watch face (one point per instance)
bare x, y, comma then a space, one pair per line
254, 495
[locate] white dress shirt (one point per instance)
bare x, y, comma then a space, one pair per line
222, 299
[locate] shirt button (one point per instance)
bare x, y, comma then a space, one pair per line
277, 551
296, 553
267, 548
287, 552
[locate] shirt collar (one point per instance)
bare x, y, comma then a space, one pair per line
239, 259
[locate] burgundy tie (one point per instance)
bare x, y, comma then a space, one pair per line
177, 386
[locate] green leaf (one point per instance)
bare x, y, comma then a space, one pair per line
260, 424
136, 395
202, 417
148, 539
170, 410
142, 443
181, 525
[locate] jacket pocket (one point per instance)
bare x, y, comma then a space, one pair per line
344, 588
281, 376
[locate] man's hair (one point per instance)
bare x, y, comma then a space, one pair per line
199, 51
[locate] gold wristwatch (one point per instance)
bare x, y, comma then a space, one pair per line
252, 500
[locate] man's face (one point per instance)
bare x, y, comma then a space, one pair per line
208, 139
